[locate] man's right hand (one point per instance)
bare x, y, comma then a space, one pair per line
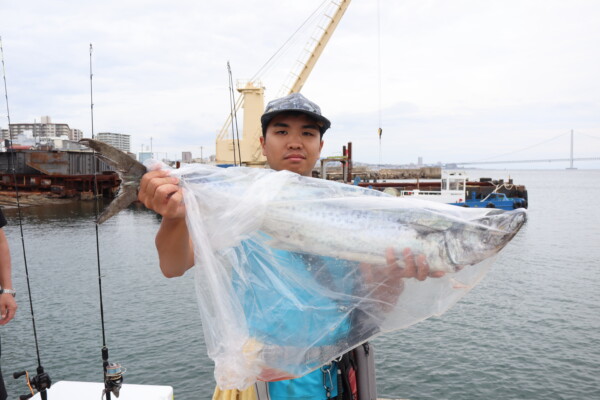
160, 193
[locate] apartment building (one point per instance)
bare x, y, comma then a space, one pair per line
118, 140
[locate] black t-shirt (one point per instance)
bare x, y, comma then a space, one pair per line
2, 219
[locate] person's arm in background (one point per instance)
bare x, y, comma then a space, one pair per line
8, 305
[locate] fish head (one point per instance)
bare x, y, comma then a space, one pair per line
469, 244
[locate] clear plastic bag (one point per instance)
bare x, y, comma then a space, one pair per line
292, 272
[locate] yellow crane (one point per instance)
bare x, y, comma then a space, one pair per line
251, 98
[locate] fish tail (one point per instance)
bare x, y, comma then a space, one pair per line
130, 172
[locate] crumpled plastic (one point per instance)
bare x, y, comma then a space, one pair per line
292, 272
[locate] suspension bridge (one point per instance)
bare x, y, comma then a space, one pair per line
571, 159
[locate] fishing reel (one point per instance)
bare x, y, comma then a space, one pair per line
113, 379
40, 382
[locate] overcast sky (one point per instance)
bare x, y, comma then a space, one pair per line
460, 80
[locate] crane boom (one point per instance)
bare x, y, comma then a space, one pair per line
252, 96
307, 66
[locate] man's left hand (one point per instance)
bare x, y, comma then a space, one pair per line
386, 283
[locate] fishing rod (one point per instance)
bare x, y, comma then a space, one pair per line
380, 130
113, 372
235, 132
40, 382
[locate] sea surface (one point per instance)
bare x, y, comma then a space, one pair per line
529, 330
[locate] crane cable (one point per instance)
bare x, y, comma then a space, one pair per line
265, 67
235, 132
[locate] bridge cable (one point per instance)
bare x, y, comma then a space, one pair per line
523, 149
586, 135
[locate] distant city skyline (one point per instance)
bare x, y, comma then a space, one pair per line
44, 127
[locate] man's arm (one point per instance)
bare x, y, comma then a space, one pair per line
160, 192
8, 305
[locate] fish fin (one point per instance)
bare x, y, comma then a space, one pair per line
125, 197
119, 160
130, 172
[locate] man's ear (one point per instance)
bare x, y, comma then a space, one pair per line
262, 145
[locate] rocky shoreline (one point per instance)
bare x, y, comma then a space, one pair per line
27, 199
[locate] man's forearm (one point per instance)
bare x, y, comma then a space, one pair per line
174, 246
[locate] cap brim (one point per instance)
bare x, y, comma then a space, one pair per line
267, 117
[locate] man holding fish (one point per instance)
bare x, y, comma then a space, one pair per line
292, 140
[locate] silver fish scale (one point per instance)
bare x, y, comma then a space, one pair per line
349, 234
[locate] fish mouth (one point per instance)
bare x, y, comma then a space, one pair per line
484, 238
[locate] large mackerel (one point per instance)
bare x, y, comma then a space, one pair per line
327, 218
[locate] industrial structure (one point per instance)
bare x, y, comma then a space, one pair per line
58, 173
247, 150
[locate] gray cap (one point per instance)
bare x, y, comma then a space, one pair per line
294, 102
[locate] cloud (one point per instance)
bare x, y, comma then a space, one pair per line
457, 78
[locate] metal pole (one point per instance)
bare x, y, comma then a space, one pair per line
571, 148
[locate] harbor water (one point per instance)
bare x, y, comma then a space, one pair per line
529, 330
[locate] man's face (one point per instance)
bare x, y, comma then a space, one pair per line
292, 142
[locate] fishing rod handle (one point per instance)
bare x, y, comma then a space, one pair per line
17, 375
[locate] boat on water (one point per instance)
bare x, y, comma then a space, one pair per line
455, 188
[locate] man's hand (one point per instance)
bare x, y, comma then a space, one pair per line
8, 308
160, 193
385, 284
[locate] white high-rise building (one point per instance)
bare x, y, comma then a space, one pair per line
118, 140
76, 135
44, 128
